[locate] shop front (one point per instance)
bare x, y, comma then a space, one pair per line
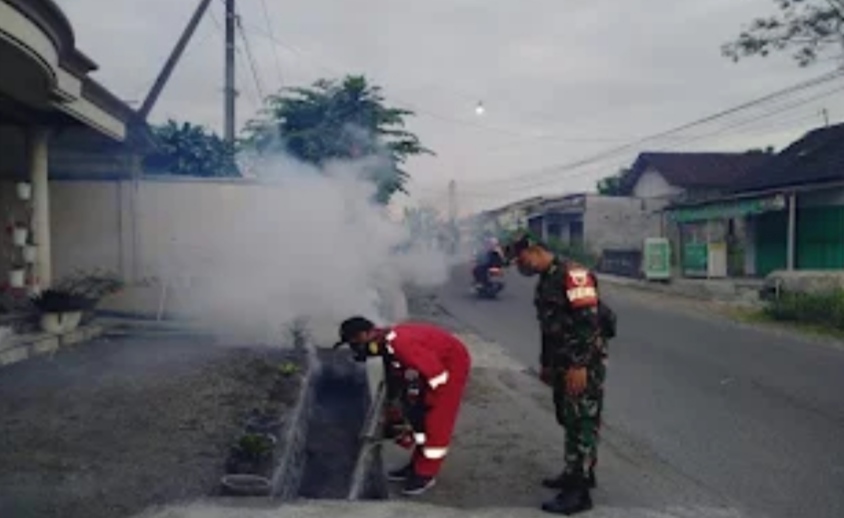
719, 239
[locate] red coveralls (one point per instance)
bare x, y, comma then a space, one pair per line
444, 363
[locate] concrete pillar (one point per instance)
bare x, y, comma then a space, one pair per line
39, 173
792, 232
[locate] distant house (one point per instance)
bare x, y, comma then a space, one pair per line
791, 207
689, 176
682, 178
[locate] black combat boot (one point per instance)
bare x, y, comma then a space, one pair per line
572, 500
563, 481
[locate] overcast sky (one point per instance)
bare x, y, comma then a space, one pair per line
560, 79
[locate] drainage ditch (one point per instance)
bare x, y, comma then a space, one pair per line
327, 455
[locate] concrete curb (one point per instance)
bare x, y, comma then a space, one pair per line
23, 347
368, 479
699, 292
287, 475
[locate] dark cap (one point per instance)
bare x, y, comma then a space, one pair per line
517, 245
352, 327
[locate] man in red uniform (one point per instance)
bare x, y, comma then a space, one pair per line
442, 363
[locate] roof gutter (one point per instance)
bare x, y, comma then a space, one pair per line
793, 189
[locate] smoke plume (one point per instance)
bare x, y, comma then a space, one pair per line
312, 245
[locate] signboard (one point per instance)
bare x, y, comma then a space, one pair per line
657, 260
696, 259
728, 209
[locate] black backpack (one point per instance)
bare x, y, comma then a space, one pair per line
606, 320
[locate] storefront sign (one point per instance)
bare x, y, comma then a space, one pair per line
728, 209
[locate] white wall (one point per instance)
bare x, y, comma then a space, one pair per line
652, 185
620, 222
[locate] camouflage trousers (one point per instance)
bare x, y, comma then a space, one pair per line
580, 416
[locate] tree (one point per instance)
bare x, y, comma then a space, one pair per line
191, 150
338, 121
614, 185
808, 27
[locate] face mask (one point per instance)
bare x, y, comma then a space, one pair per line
362, 352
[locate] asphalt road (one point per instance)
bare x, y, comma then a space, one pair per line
753, 416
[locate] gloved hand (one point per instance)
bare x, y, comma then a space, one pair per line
405, 439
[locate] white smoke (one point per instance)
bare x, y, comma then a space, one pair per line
312, 246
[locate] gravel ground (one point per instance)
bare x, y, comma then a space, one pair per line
114, 427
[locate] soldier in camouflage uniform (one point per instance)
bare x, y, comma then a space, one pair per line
573, 363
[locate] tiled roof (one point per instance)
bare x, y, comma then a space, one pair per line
818, 157
699, 170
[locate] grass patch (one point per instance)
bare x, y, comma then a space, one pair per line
817, 313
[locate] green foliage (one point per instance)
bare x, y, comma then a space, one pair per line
578, 253
615, 185
824, 309
338, 121
288, 369
190, 150
807, 27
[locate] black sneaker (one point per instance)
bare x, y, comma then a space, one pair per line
569, 502
563, 481
401, 474
417, 484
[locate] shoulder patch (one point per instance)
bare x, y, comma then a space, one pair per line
580, 288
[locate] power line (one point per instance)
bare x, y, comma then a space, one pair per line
275, 50
255, 76
613, 152
481, 192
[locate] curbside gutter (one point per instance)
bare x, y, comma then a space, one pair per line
287, 475
368, 479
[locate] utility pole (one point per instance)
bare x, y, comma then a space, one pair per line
825, 115
172, 60
230, 92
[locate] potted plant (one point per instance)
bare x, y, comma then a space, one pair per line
20, 234
91, 286
61, 311
17, 275
30, 254
24, 190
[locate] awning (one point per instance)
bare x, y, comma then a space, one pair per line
727, 209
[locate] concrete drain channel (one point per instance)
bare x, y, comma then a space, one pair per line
327, 450
339, 462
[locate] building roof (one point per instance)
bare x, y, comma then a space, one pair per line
697, 170
818, 157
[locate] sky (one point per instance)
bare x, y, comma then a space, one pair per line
560, 80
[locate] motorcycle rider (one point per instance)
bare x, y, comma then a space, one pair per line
491, 257
434, 357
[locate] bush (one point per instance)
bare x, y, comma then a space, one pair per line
825, 308
576, 253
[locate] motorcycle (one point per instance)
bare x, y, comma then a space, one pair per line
493, 286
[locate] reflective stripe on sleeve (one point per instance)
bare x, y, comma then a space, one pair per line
419, 438
438, 380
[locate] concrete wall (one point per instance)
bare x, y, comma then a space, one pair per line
95, 224
620, 222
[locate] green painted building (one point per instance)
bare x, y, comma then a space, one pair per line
789, 213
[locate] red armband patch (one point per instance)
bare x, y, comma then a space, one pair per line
580, 289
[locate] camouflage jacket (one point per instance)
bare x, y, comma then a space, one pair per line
566, 301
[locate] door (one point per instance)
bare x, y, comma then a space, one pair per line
771, 242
